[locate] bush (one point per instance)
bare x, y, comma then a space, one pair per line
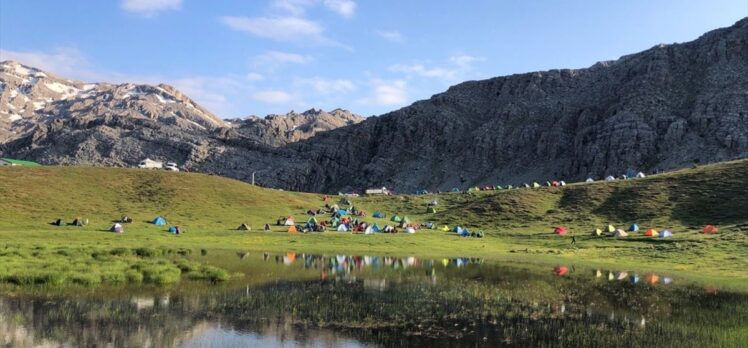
144, 252
85, 279
119, 251
133, 276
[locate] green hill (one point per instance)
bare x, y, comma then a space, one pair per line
517, 223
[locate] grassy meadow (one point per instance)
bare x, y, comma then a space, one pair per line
518, 224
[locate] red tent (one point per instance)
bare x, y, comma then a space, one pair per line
560, 270
710, 229
555, 184
560, 230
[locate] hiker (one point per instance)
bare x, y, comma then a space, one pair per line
573, 240
267, 227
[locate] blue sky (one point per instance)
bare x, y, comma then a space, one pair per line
270, 56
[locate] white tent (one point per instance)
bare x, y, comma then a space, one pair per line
589, 180
368, 230
620, 233
609, 178
289, 222
342, 228
640, 175
562, 183
434, 202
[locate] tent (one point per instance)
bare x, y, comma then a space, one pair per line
548, 183
652, 278
589, 180
342, 228
634, 228
598, 232
378, 215
126, 220
405, 220
665, 233
175, 230
464, 232
562, 183
369, 230
312, 221
243, 227
396, 219
430, 210
535, 185
376, 228
159, 221
634, 279
445, 228
555, 183
609, 178
292, 229
59, 222
388, 229
710, 229
344, 201
457, 229
430, 225
620, 233
651, 233
78, 222
560, 230
434, 202
560, 270
454, 189
117, 228
640, 175
610, 229
289, 221
410, 229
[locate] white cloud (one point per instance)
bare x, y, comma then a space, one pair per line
150, 7
284, 29
294, 7
276, 57
386, 93
465, 60
272, 96
253, 76
324, 86
67, 62
345, 8
423, 71
392, 36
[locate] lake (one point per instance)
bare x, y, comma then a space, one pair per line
295, 299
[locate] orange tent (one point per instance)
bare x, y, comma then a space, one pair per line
292, 229
560, 230
560, 270
652, 278
710, 229
651, 233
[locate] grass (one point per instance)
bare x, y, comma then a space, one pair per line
517, 224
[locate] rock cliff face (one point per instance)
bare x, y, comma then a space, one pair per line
667, 107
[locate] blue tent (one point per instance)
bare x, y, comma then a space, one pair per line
464, 232
634, 279
454, 189
634, 228
665, 233
457, 229
376, 228
159, 221
342, 212
172, 229
378, 215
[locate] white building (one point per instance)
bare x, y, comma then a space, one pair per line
377, 191
150, 164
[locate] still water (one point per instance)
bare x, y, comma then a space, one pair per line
294, 299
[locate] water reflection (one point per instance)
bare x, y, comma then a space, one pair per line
342, 300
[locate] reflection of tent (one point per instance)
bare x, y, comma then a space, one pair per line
634, 228
620, 233
292, 229
651, 232
410, 229
117, 228
665, 233
710, 229
342, 228
430, 210
560, 270
560, 230
243, 227
289, 221
378, 215
159, 221
598, 232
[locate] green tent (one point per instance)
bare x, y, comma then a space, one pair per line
430, 210
405, 220
15, 162
335, 223
396, 219
312, 221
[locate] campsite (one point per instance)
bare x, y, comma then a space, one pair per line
116, 233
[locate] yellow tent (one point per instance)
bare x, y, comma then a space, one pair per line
598, 232
445, 228
292, 229
610, 229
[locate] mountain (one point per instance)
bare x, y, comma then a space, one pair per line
668, 107
279, 130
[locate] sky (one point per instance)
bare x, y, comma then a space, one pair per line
240, 58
